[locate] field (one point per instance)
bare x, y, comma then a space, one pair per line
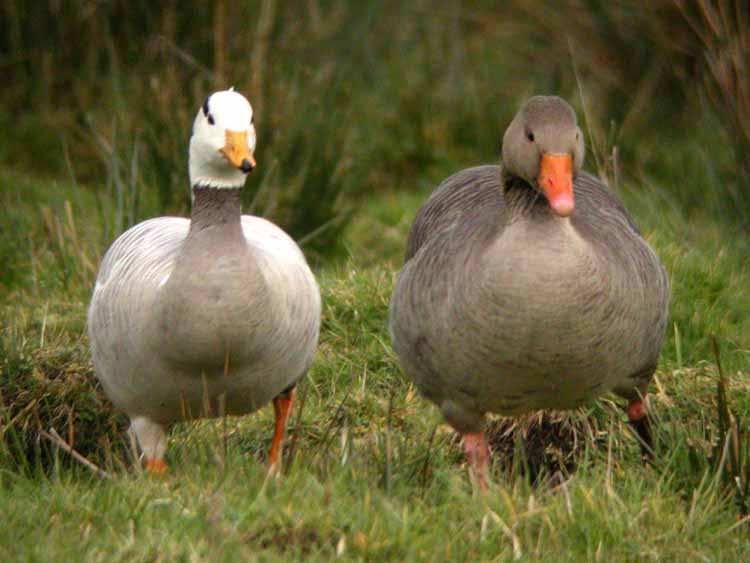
350, 146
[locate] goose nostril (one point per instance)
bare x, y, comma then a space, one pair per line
246, 166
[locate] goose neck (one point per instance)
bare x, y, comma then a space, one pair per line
524, 201
216, 208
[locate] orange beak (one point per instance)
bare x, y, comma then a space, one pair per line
236, 151
556, 179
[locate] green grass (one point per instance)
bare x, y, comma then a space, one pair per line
372, 471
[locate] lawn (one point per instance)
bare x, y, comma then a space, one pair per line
372, 472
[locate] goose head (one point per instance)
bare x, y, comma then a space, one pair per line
543, 145
223, 141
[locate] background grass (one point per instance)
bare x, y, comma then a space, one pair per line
362, 108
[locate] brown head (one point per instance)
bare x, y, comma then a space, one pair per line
543, 145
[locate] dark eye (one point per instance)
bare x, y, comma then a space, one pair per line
530, 136
206, 112
252, 120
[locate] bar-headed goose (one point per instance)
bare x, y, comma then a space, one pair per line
528, 286
218, 314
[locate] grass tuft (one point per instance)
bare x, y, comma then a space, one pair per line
731, 453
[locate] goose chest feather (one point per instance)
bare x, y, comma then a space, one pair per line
528, 286
218, 314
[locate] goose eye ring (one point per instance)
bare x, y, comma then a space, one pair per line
530, 136
211, 119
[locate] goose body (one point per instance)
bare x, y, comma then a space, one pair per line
215, 315
257, 309
508, 304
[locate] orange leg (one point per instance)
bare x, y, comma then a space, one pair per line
152, 439
156, 466
638, 415
282, 406
478, 455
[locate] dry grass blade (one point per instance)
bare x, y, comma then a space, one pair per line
328, 436
426, 466
56, 439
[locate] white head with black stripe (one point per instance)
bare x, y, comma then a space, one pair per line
223, 142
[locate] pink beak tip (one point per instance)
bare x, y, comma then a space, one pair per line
563, 206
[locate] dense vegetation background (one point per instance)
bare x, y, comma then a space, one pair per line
361, 108
362, 97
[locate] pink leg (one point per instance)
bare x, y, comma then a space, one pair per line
638, 415
478, 455
637, 409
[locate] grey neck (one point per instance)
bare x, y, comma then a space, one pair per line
522, 200
216, 208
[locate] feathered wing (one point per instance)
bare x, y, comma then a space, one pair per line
457, 202
294, 295
598, 207
267, 237
602, 220
144, 247
133, 269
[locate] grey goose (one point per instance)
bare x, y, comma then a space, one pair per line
528, 286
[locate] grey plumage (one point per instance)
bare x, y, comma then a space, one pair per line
503, 306
214, 315
164, 316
